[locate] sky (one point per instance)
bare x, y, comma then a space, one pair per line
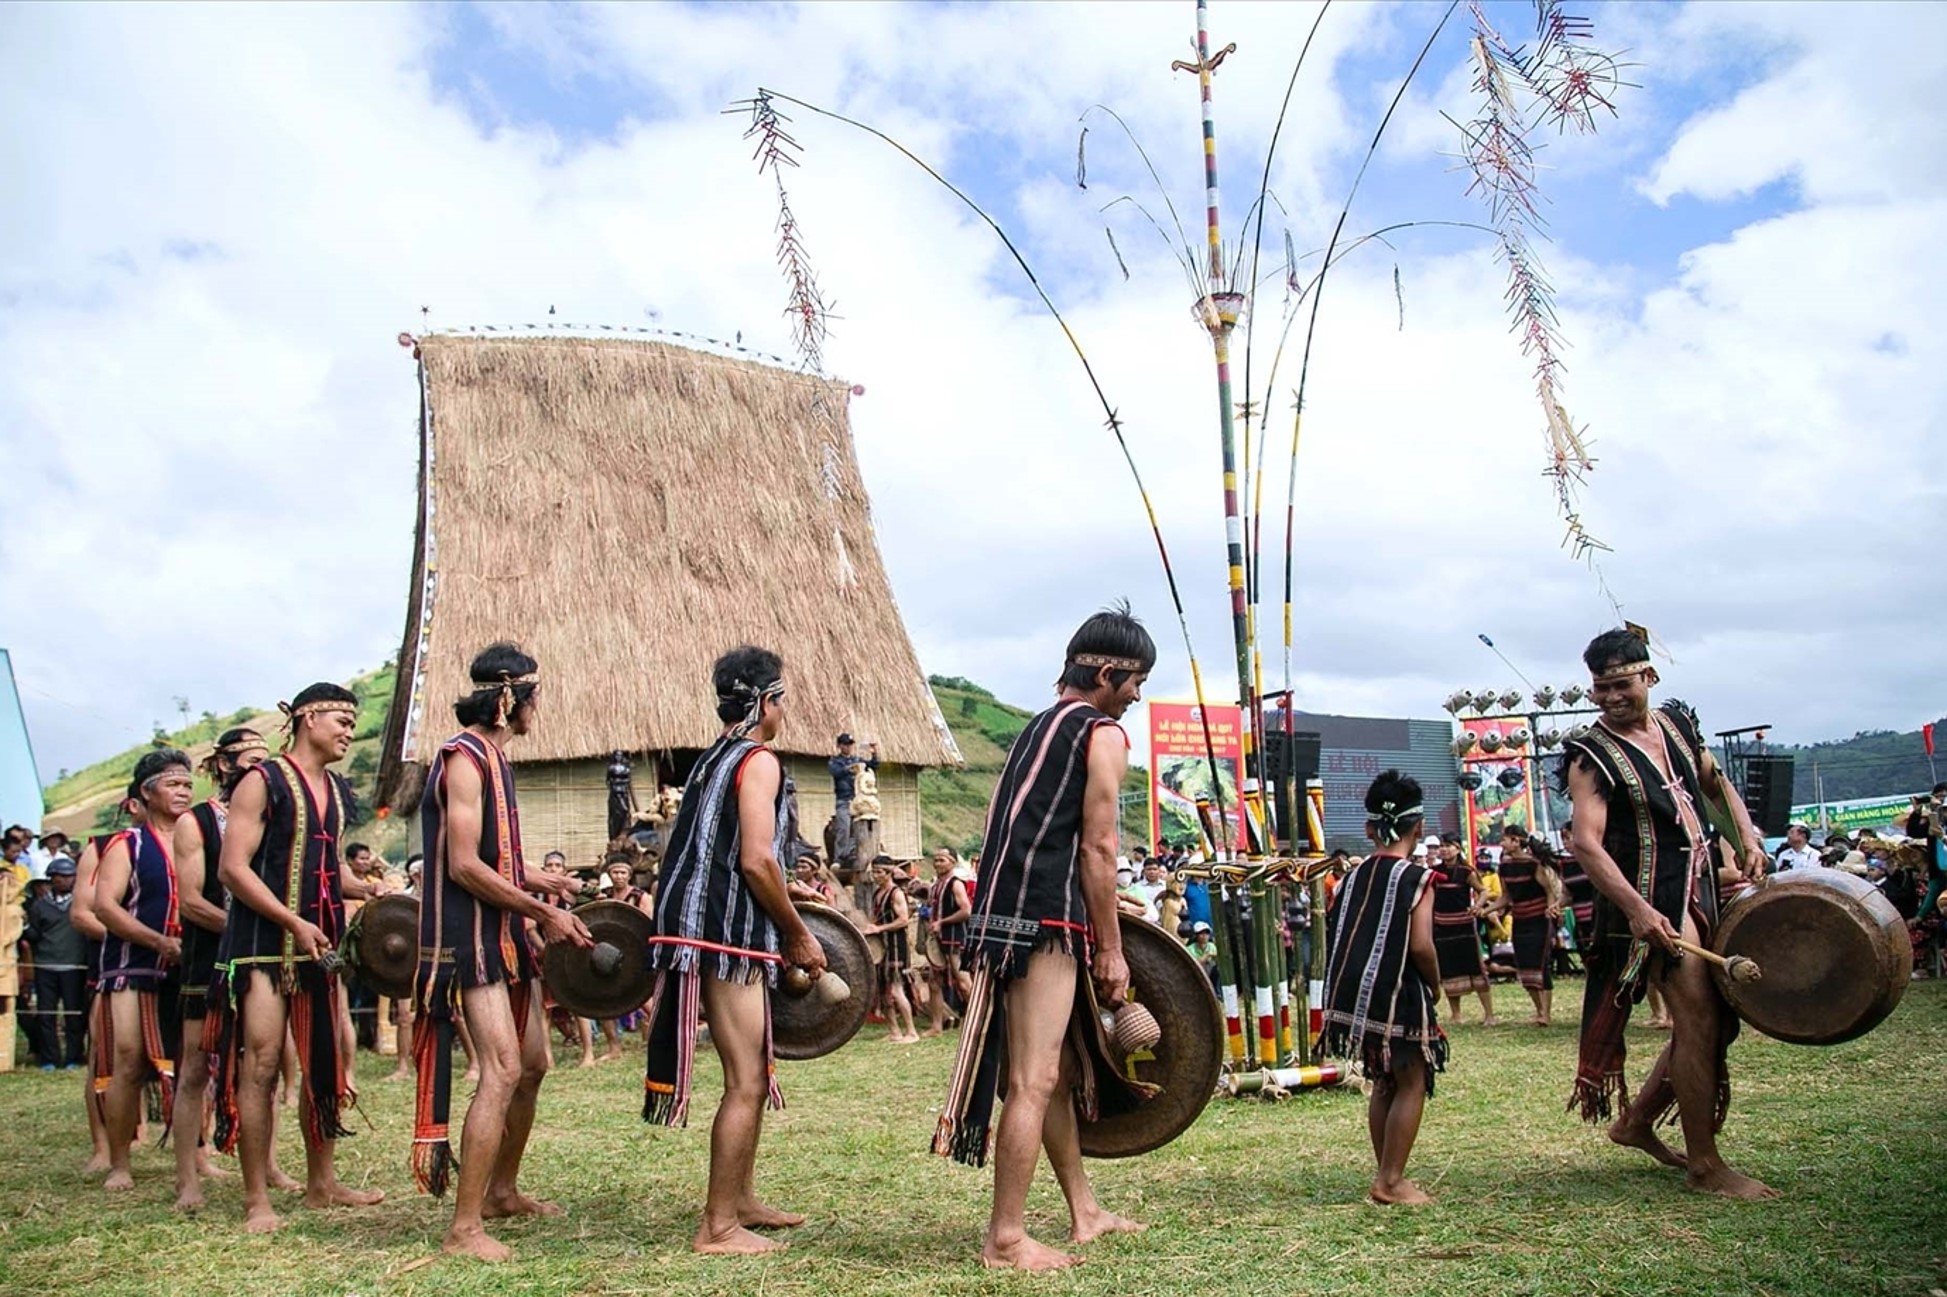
218, 220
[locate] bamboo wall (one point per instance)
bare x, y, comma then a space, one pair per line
564, 806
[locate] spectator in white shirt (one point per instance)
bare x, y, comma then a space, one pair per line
1797, 853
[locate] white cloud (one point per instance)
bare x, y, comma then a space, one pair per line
217, 222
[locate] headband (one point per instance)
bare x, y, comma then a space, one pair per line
292, 714
1625, 671
1388, 820
1104, 660
753, 700
255, 743
505, 702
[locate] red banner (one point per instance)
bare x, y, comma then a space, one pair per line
1179, 767
1491, 806
1926, 732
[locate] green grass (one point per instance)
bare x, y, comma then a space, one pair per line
1258, 1198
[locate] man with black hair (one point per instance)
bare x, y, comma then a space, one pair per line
475, 958
724, 924
276, 964
1044, 919
136, 901
198, 845
1641, 780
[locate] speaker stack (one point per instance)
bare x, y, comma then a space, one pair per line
1768, 792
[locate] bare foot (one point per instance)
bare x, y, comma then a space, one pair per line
587, 1060
1659, 1024
96, 1164
1404, 1193
1025, 1254
518, 1204
1640, 1135
611, 1056
282, 1181
118, 1180
1098, 1222
736, 1241
189, 1199
476, 1244
755, 1215
403, 1074
1730, 1184
1538, 1022
261, 1220
207, 1167
931, 1032
338, 1195
1490, 1021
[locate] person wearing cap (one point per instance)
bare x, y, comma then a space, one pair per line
60, 968
891, 917
1203, 949
1798, 852
845, 772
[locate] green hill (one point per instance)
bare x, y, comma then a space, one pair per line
1872, 763
953, 803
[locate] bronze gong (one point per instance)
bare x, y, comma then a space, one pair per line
1185, 1063
813, 1025
381, 945
1834, 953
612, 979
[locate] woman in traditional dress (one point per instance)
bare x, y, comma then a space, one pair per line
1457, 900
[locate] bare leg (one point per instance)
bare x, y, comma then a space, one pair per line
1545, 1002
265, 1036
735, 1012
1659, 1011
1453, 1007
192, 1082
497, 1054
403, 1071
1378, 1103
1061, 1137
98, 1160
504, 1197
936, 1002
613, 1039
321, 1185
466, 1047
124, 1086
287, 1072
1633, 1127
347, 1036
1695, 1011
1487, 1007
898, 1012
1541, 1013
1408, 1102
1038, 1007
586, 1031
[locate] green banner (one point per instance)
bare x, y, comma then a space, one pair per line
1879, 813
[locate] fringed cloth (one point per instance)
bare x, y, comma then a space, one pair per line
311, 995
1100, 1088
161, 1039
1600, 1086
433, 1030
676, 1011
1376, 1003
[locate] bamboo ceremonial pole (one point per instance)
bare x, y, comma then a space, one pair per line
1264, 934
1218, 311
1227, 962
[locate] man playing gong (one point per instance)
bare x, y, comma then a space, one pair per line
1639, 780
723, 918
1046, 903
475, 958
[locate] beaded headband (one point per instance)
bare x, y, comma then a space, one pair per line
1103, 660
1624, 672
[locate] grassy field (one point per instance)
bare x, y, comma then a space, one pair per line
1256, 1197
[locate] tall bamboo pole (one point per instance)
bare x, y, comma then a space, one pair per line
1219, 311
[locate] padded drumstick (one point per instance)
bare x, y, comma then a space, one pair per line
1740, 967
605, 959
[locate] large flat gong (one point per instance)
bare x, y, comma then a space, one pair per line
811, 1025
1834, 953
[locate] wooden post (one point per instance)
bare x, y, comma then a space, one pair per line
11, 922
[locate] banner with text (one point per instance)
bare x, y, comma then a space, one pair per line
1179, 767
1491, 807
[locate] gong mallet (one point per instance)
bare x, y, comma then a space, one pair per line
828, 986
1739, 968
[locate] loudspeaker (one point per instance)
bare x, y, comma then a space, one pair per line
1289, 760
1768, 793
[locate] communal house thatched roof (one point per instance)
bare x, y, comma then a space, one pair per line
626, 511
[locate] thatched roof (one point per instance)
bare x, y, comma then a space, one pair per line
626, 511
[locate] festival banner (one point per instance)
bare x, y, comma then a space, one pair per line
1880, 814
1179, 767
1486, 810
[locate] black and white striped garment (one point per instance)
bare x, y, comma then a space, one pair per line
1030, 889
703, 906
1377, 1006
